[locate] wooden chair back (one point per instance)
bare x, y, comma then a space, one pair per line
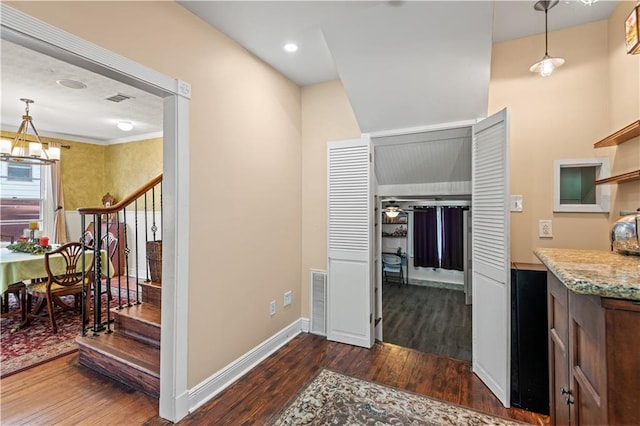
72, 253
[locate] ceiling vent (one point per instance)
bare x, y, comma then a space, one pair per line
119, 97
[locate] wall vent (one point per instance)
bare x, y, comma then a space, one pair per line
318, 302
119, 97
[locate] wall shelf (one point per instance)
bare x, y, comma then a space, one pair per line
625, 177
621, 136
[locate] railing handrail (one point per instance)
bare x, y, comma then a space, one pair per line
125, 201
116, 216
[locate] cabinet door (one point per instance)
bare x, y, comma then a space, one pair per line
587, 360
558, 312
623, 364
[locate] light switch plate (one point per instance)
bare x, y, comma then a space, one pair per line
516, 203
545, 229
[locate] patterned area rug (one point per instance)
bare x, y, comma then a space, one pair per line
23, 348
336, 399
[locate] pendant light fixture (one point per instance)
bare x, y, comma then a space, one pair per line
548, 63
23, 151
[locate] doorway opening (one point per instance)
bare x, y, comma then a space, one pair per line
39, 36
426, 178
424, 304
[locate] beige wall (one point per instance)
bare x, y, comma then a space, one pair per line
245, 177
326, 116
624, 83
558, 117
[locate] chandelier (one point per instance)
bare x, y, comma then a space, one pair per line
548, 63
23, 151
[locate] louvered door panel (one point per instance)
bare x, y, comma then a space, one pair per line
490, 255
349, 241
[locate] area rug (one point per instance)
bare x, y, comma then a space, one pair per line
23, 348
335, 399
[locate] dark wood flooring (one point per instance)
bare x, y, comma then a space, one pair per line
63, 392
428, 319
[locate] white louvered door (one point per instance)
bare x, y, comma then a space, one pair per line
349, 242
491, 255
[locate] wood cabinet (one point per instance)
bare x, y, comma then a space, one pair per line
117, 252
594, 368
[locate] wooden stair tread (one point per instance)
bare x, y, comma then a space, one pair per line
150, 284
128, 351
144, 312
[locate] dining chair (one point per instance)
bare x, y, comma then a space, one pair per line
16, 290
392, 263
70, 282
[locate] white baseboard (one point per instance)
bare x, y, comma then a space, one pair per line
304, 324
222, 379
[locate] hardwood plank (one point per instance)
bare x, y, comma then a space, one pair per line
429, 319
253, 399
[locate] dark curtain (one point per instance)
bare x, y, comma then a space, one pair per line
452, 238
425, 238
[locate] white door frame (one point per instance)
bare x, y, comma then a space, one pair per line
37, 35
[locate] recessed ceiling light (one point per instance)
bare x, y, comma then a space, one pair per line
72, 84
125, 126
290, 47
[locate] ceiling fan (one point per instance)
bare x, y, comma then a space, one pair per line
391, 209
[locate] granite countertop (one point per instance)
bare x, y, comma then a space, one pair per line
595, 272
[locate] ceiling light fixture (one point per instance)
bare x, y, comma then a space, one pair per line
125, 126
23, 151
392, 209
291, 47
589, 2
548, 63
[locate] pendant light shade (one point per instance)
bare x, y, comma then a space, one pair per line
547, 64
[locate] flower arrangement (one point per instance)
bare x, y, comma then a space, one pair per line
32, 247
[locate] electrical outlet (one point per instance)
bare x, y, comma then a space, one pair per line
272, 308
287, 298
545, 229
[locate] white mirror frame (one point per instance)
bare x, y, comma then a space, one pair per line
603, 192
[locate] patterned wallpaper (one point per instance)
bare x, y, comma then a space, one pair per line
131, 165
89, 171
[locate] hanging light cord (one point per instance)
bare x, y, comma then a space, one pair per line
546, 32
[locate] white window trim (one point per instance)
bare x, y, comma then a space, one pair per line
603, 192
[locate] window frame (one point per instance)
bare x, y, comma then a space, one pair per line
603, 192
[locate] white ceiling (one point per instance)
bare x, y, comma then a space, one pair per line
403, 63
73, 114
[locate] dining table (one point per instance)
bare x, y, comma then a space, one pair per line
16, 266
